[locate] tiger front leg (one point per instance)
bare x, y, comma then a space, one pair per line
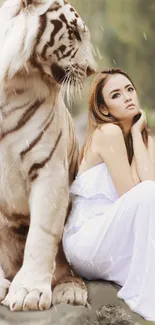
31, 287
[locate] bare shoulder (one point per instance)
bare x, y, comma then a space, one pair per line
107, 139
110, 146
108, 131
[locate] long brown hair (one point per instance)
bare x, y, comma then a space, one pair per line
96, 116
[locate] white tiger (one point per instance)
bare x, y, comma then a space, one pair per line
44, 46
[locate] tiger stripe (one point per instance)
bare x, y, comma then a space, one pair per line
61, 49
37, 139
57, 27
42, 27
19, 91
73, 55
46, 119
25, 118
6, 114
32, 174
22, 230
14, 216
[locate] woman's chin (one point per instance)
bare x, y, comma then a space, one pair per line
133, 111
131, 115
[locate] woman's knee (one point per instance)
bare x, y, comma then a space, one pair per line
144, 192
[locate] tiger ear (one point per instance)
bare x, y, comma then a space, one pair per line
26, 3
40, 3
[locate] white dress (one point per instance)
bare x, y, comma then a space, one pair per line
112, 238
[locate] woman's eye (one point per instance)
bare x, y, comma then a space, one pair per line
115, 95
130, 89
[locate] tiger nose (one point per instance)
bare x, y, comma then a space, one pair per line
90, 71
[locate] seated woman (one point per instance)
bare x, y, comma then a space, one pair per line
110, 232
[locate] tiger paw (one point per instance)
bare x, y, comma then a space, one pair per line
70, 293
26, 300
29, 291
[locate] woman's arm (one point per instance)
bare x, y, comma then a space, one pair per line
134, 171
144, 156
110, 145
151, 150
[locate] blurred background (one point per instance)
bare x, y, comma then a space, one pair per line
123, 35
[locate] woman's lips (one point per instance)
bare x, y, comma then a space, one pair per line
130, 106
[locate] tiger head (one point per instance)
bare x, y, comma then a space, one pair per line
47, 37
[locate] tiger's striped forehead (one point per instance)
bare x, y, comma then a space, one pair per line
70, 13
61, 31
48, 34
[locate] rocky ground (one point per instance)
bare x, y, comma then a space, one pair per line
105, 309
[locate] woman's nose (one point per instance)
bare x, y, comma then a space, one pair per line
127, 97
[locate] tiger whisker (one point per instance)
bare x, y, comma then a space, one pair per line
71, 85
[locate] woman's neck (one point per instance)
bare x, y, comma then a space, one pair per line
126, 128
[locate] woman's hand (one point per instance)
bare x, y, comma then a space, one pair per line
140, 124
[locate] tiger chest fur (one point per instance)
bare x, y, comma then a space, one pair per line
37, 136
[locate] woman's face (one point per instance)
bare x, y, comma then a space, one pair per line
121, 98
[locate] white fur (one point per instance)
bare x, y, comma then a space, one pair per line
46, 198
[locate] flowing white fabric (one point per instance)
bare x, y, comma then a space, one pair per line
112, 238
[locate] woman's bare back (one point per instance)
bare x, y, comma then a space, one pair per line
91, 158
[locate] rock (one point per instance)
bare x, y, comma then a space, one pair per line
104, 308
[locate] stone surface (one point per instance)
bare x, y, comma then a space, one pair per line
105, 309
